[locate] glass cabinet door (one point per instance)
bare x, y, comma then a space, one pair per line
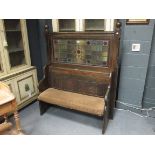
76, 25
14, 39
94, 24
66, 25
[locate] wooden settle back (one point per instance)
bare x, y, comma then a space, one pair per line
82, 62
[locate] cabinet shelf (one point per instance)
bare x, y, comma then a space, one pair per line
12, 50
13, 30
67, 30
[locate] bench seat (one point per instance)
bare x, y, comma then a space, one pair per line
84, 103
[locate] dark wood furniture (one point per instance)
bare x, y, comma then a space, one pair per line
81, 73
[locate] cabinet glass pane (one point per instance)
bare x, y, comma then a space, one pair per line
15, 42
94, 24
86, 52
66, 25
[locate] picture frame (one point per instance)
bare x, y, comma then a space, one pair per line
137, 21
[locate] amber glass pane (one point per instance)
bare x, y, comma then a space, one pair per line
15, 42
94, 24
66, 25
86, 52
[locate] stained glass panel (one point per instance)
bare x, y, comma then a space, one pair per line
86, 52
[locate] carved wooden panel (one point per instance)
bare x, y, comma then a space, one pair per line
78, 84
69, 83
87, 87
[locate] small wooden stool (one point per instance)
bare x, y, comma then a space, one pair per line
8, 104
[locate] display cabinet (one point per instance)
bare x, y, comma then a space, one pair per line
15, 61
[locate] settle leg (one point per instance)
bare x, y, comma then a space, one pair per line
43, 107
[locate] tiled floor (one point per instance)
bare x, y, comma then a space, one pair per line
57, 121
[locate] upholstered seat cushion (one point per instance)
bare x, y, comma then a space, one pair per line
5, 96
80, 102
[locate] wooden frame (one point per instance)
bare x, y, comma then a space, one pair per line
137, 21
109, 36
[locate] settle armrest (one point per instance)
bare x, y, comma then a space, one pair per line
106, 109
43, 84
107, 95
